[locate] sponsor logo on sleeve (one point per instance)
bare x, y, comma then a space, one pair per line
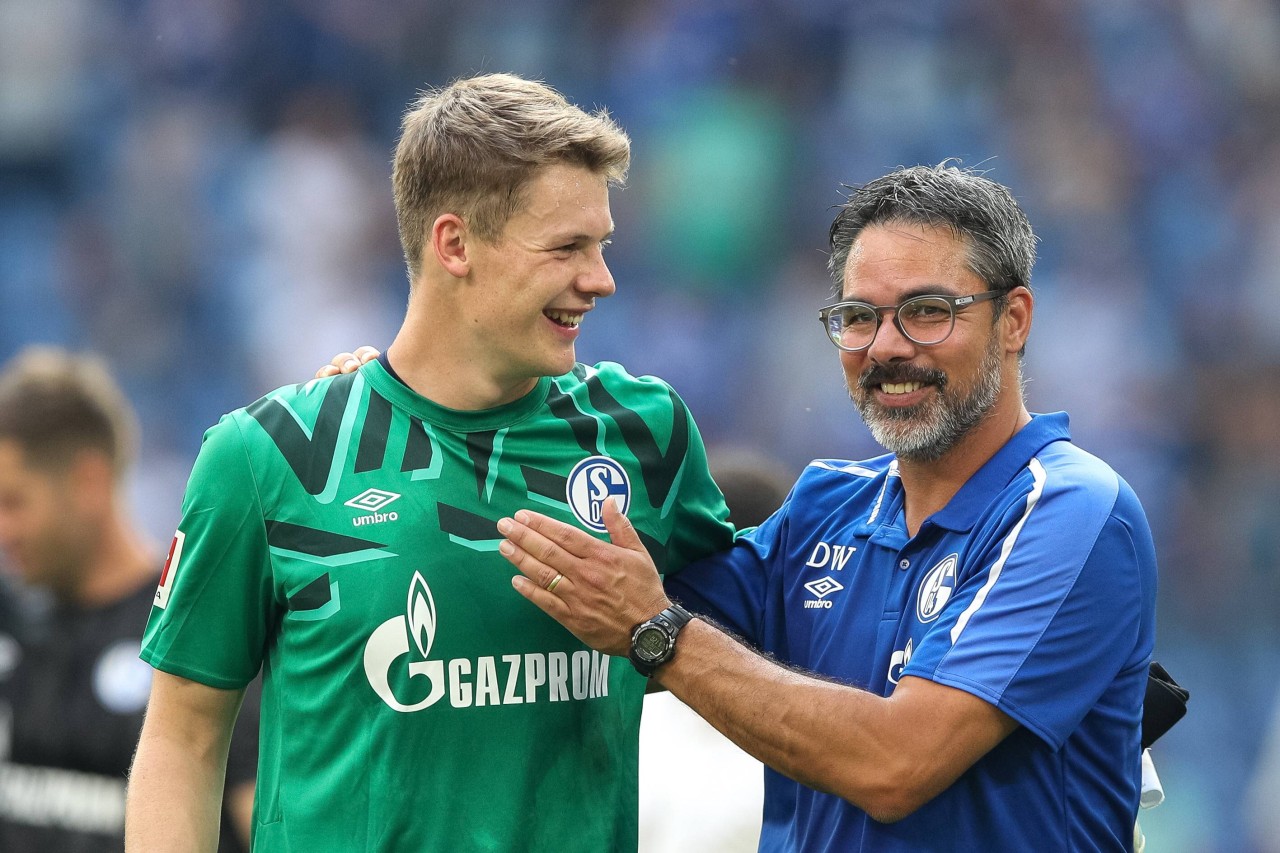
898, 662
170, 570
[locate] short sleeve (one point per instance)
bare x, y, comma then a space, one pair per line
700, 525
1053, 613
732, 588
210, 619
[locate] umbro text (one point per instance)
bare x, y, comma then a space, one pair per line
374, 518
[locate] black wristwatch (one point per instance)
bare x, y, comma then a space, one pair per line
653, 643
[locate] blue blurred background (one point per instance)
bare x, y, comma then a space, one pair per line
199, 190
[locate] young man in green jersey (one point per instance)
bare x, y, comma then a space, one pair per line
340, 535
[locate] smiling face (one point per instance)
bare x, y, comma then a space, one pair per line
920, 401
534, 285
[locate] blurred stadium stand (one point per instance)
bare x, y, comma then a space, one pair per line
199, 190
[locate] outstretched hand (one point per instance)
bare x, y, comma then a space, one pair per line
347, 362
604, 589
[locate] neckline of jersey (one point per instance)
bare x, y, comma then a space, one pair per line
965, 507
479, 420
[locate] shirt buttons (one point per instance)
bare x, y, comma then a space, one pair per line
904, 564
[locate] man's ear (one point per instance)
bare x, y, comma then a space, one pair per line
448, 239
1017, 318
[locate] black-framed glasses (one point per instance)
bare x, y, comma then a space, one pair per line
926, 320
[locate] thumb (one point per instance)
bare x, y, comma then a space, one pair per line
621, 531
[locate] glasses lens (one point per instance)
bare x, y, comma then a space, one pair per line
852, 326
926, 319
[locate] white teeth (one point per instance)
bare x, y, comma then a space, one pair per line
565, 317
900, 387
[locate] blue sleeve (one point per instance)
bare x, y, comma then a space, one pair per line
1052, 608
733, 588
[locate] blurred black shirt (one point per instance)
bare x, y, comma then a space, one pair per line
72, 696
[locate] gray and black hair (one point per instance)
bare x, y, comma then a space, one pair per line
983, 213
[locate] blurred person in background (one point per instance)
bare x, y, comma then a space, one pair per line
72, 690
988, 586
341, 535
754, 483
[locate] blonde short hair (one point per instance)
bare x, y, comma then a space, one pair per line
472, 147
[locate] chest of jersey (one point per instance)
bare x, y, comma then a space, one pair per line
383, 548
401, 572
846, 588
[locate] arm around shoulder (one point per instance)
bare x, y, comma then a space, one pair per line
175, 786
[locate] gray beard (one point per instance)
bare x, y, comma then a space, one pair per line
925, 433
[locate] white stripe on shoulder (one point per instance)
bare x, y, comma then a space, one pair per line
875, 510
1006, 548
851, 468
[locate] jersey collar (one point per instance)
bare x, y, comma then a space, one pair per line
975, 496
401, 395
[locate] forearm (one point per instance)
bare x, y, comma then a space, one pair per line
828, 736
175, 796
886, 755
175, 787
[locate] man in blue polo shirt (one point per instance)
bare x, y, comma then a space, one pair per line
956, 635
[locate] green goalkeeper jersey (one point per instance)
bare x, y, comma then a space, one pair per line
340, 535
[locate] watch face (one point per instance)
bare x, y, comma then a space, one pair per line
651, 643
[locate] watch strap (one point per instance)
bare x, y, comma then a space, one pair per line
670, 621
676, 616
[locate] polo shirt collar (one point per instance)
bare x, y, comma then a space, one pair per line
976, 495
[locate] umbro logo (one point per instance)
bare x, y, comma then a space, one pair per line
822, 587
371, 501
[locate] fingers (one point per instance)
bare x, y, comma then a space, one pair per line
336, 365
537, 557
363, 355
621, 531
547, 602
348, 362
551, 541
540, 583
596, 589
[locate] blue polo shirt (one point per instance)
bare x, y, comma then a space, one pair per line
1033, 588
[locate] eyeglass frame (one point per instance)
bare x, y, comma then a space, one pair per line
956, 303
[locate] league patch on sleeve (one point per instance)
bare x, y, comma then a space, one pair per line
170, 569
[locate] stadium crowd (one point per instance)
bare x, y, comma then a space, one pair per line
198, 191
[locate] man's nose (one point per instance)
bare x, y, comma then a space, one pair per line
889, 343
596, 279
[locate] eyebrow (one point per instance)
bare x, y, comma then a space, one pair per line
922, 290
581, 238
